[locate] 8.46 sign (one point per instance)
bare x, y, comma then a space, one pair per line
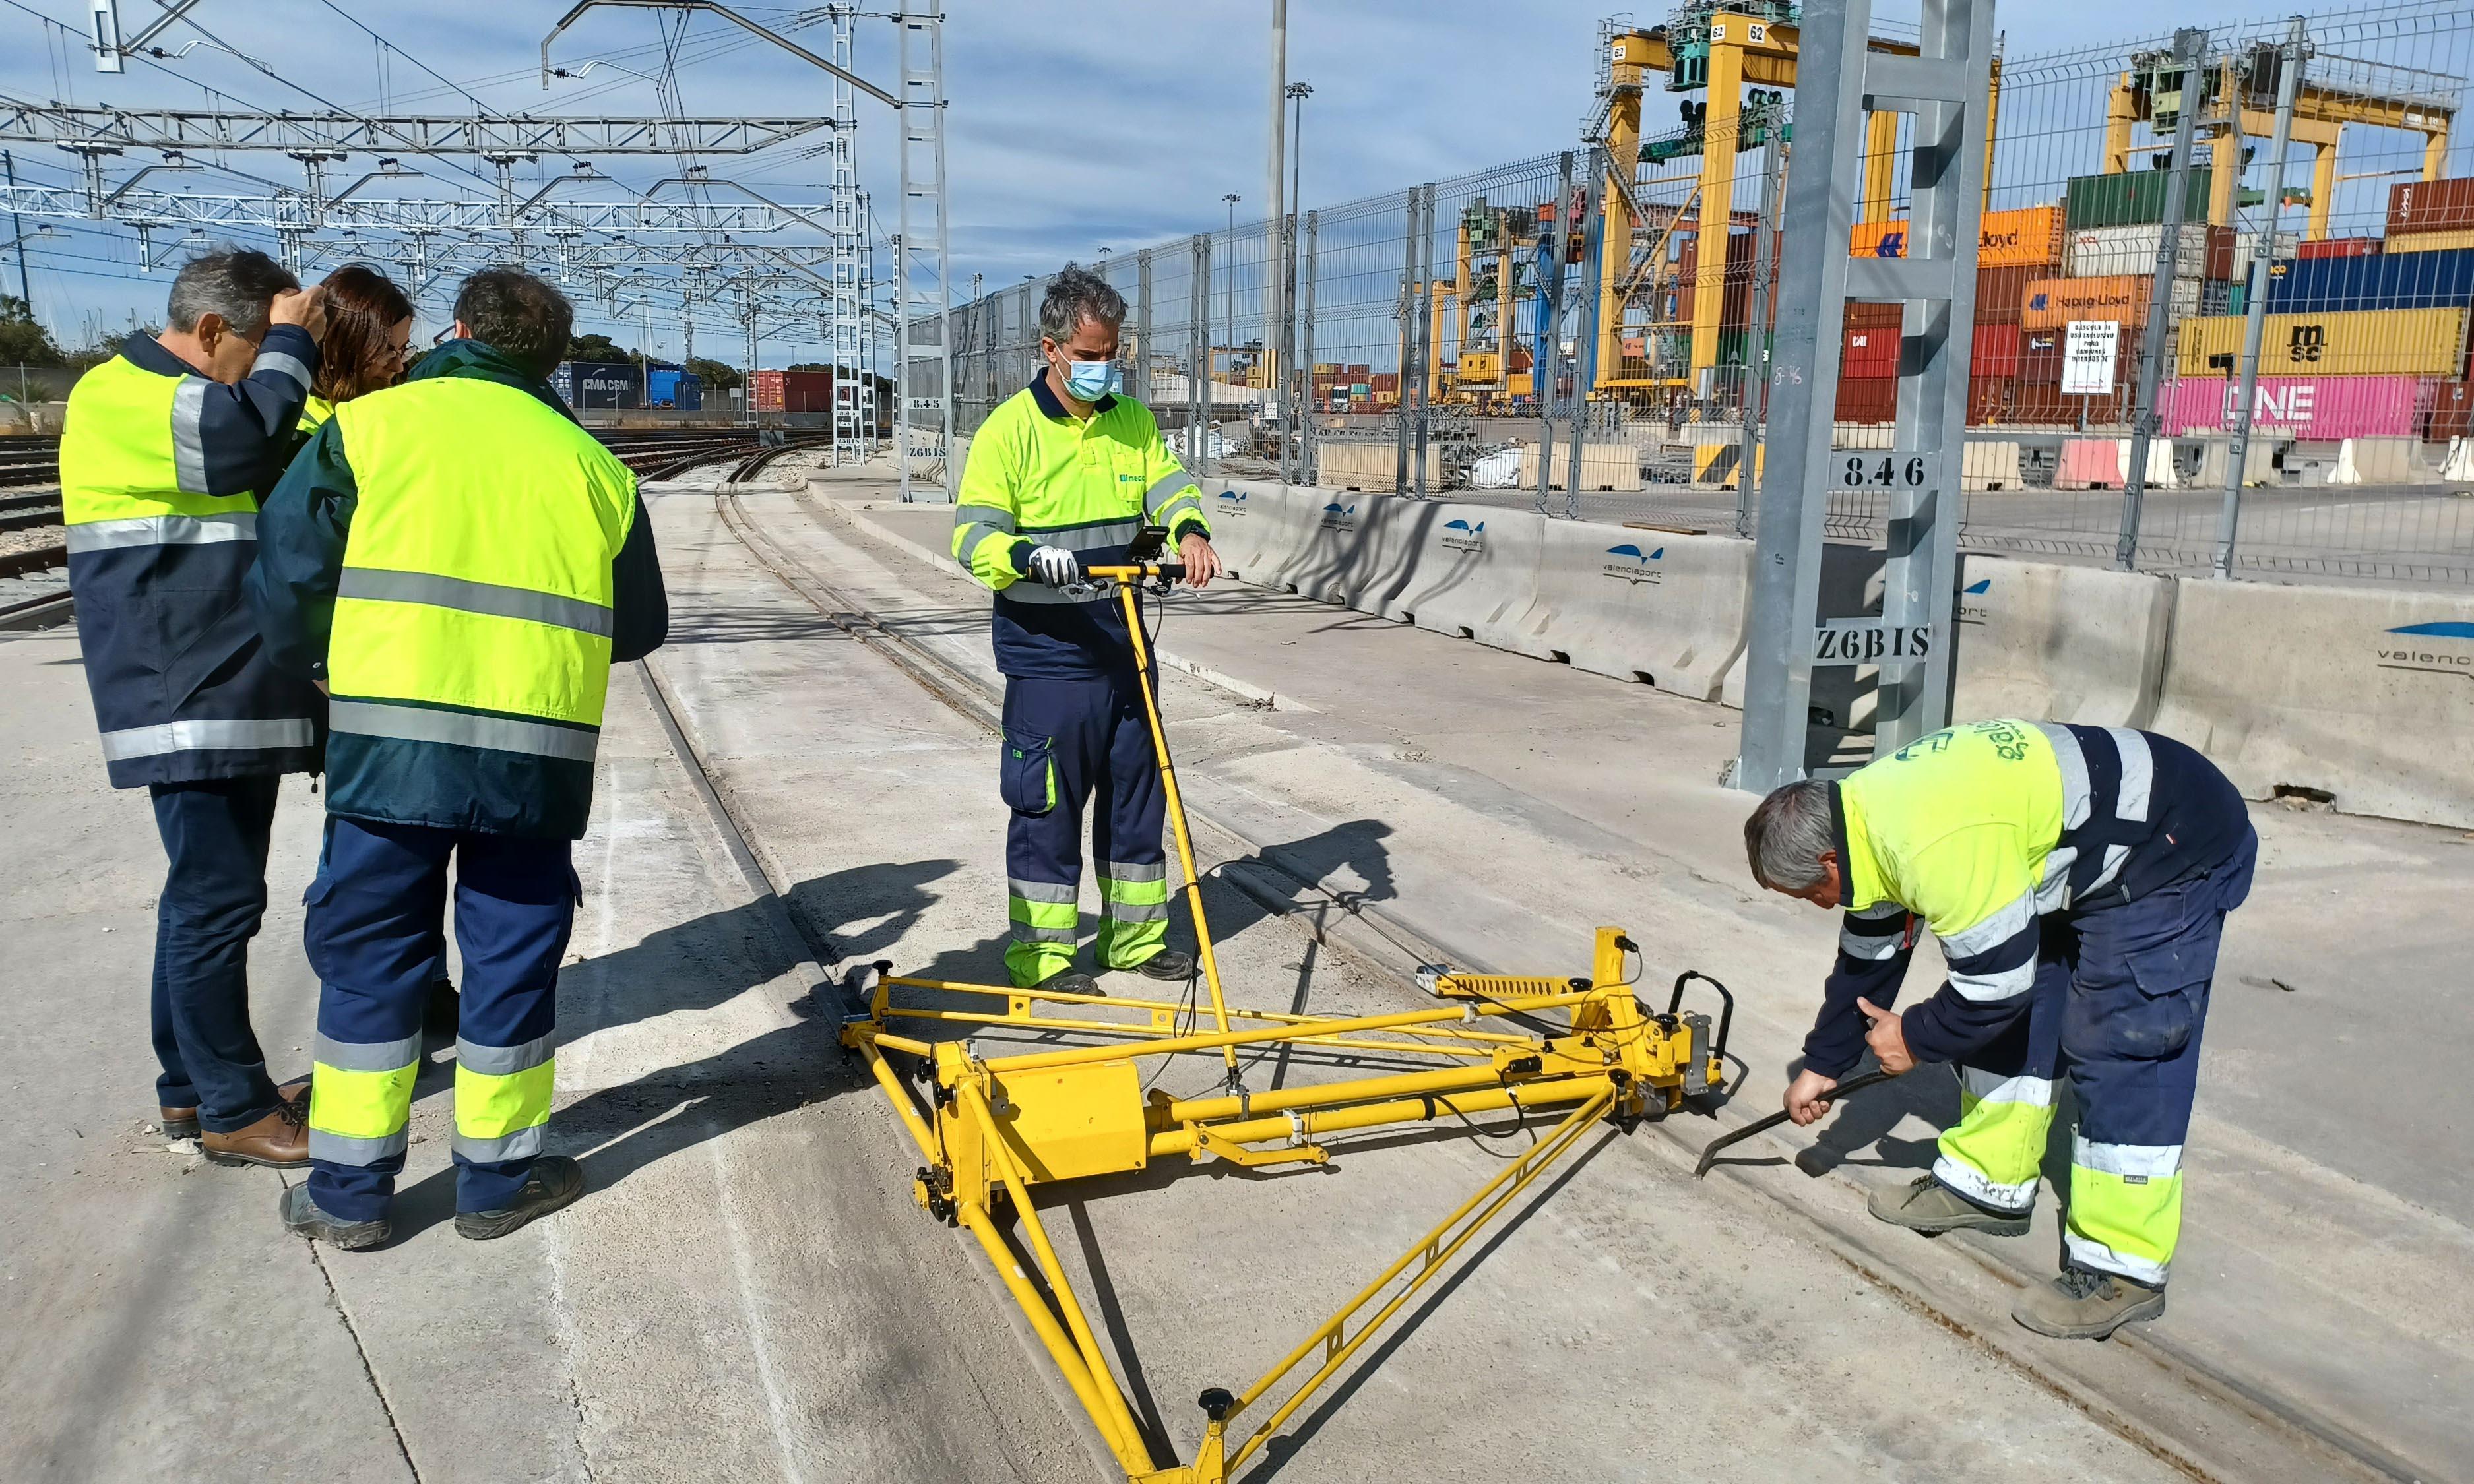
1888, 470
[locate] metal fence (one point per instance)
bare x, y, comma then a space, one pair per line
35, 383
1438, 337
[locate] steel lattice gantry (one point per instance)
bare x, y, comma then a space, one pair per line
199, 132
302, 211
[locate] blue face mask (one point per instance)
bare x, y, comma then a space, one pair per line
1091, 380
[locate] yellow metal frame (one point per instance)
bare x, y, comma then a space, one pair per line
993, 1128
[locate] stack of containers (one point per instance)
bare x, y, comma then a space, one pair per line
1323, 382
2112, 230
2356, 345
2013, 249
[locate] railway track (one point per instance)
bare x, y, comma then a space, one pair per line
30, 458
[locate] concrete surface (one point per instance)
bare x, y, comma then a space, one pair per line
747, 1292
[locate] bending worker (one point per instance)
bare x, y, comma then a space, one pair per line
1065, 473
167, 447
2077, 879
459, 563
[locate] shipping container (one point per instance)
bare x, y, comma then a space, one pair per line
1877, 239
792, 391
1386, 381
2318, 407
2391, 281
1862, 314
2134, 199
1989, 399
2044, 405
2451, 241
2339, 247
2363, 343
2053, 303
594, 385
1869, 353
2204, 252
672, 386
2452, 411
2001, 291
2040, 358
1868, 399
2029, 237
1993, 351
2431, 206
1358, 372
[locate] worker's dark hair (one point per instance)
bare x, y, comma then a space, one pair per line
1077, 295
237, 284
519, 316
1786, 833
356, 356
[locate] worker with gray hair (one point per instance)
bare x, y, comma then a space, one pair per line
2077, 879
167, 447
1063, 475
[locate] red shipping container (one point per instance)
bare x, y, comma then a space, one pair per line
2339, 247
1993, 351
1867, 399
1863, 316
1736, 306
1990, 400
778, 390
2452, 411
1869, 353
2431, 206
2001, 291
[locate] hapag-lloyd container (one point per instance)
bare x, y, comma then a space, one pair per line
2320, 407
2027, 237
2053, 303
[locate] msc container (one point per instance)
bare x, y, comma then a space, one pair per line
2053, 303
2391, 281
2339, 247
585, 384
1993, 351
2133, 199
2329, 407
2364, 342
2204, 252
2001, 291
2431, 206
2450, 241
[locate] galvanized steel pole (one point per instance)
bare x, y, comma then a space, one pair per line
1755, 400
2190, 50
1423, 344
1585, 334
2288, 83
1306, 358
1274, 293
1408, 289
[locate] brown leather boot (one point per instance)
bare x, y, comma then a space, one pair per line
178, 1122
280, 1141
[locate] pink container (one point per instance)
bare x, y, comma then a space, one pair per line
2314, 407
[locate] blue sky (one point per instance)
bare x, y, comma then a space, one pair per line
1072, 125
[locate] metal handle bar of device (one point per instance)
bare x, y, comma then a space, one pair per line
1133, 572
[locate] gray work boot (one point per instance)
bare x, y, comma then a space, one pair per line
1930, 1206
2086, 1304
1170, 964
303, 1217
1071, 981
556, 1181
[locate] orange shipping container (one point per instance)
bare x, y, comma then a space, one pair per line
2028, 237
2053, 303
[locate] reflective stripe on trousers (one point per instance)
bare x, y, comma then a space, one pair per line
360, 1099
502, 1099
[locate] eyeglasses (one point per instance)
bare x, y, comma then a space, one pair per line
442, 336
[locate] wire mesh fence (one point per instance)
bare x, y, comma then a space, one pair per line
2147, 252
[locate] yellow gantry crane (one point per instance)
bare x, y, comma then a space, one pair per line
992, 1131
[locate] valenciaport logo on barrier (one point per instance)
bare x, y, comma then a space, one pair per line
1232, 502
2442, 648
1461, 535
1337, 516
1632, 564
1975, 612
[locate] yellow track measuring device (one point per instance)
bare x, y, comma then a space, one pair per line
991, 1129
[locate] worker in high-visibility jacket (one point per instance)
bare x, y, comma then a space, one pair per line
1064, 474
2077, 879
167, 446
458, 564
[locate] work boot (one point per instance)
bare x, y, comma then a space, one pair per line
303, 1217
1930, 1206
556, 1181
1167, 964
182, 1122
1070, 981
2083, 1303
278, 1141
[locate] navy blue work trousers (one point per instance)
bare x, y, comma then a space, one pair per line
215, 834
1072, 746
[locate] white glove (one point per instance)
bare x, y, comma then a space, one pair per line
1055, 566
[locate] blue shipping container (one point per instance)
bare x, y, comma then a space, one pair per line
668, 386
2405, 280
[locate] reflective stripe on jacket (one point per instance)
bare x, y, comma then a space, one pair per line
160, 471
1039, 476
470, 647
1977, 832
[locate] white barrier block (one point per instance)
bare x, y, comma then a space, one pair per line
2060, 643
2380, 460
2460, 468
1370, 468
2162, 472
1468, 571
1642, 605
1990, 466
2366, 694
2259, 462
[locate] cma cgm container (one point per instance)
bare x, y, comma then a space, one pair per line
2431, 206
2392, 280
2363, 343
584, 384
2319, 407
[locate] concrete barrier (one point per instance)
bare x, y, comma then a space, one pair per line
2364, 695
1990, 466
1370, 468
2259, 462
2380, 460
1609, 466
1667, 611
1468, 572
2059, 643
2460, 468
1245, 517
2163, 472
2090, 463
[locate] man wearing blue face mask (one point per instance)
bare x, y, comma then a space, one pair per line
1062, 475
